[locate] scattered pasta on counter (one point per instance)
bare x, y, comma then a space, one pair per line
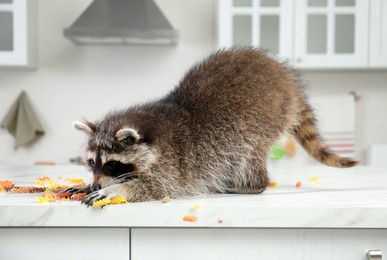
313, 178
27, 189
101, 203
6, 185
74, 180
273, 184
119, 200
78, 196
196, 207
106, 201
190, 218
166, 199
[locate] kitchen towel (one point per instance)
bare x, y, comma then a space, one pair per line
22, 122
336, 121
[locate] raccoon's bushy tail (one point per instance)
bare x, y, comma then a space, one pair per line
308, 136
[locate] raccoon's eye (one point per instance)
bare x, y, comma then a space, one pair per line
91, 163
116, 168
113, 167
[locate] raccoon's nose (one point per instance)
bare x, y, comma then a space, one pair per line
95, 187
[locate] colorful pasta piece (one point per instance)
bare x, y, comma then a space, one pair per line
53, 184
78, 196
65, 195
273, 184
190, 218
101, 203
196, 207
118, 200
74, 180
28, 189
314, 178
6, 184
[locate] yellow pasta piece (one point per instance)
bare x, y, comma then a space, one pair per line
273, 184
53, 184
73, 180
40, 183
42, 199
118, 200
314, 178
101, 203
196, 207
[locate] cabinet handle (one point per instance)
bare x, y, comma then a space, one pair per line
374, 255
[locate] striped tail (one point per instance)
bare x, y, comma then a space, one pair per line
308, 136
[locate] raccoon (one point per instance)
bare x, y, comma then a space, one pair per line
211, 134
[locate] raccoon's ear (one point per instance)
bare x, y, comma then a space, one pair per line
125, 133
87, 128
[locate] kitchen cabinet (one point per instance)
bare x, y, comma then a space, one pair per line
246, 244
341, 218
378, 34
310, 34
64, 244
17, 33
331, 34
264, 23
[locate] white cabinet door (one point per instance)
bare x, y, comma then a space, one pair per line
253, 244
64, 243
17, 25
331, 33
378, 34
260, 23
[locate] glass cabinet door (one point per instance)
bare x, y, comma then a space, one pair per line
378, 34
261, 23
6, 25
16, 17
331, 33
6, 31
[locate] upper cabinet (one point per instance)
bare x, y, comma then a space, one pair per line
378, 34
331, 33
265, 23
310, 34
17, 33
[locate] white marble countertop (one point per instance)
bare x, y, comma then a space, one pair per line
345, 198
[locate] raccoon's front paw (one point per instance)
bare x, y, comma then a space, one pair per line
85, 189
106, 193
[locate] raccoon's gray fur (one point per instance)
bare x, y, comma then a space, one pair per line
211, 134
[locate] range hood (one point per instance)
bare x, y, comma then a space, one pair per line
122, 22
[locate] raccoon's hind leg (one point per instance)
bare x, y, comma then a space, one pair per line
253, 181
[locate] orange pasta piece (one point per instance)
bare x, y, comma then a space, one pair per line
190, 218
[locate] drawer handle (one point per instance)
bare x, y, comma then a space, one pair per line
374, 255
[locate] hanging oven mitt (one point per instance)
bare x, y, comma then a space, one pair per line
22, 122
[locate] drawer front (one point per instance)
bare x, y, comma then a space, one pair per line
267, 244
64, 243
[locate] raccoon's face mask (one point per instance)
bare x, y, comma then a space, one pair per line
114, 157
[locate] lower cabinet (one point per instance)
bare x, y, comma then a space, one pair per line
64, 243
189, 244
265, 244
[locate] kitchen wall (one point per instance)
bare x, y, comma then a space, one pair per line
75, 82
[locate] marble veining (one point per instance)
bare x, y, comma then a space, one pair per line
345, 198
